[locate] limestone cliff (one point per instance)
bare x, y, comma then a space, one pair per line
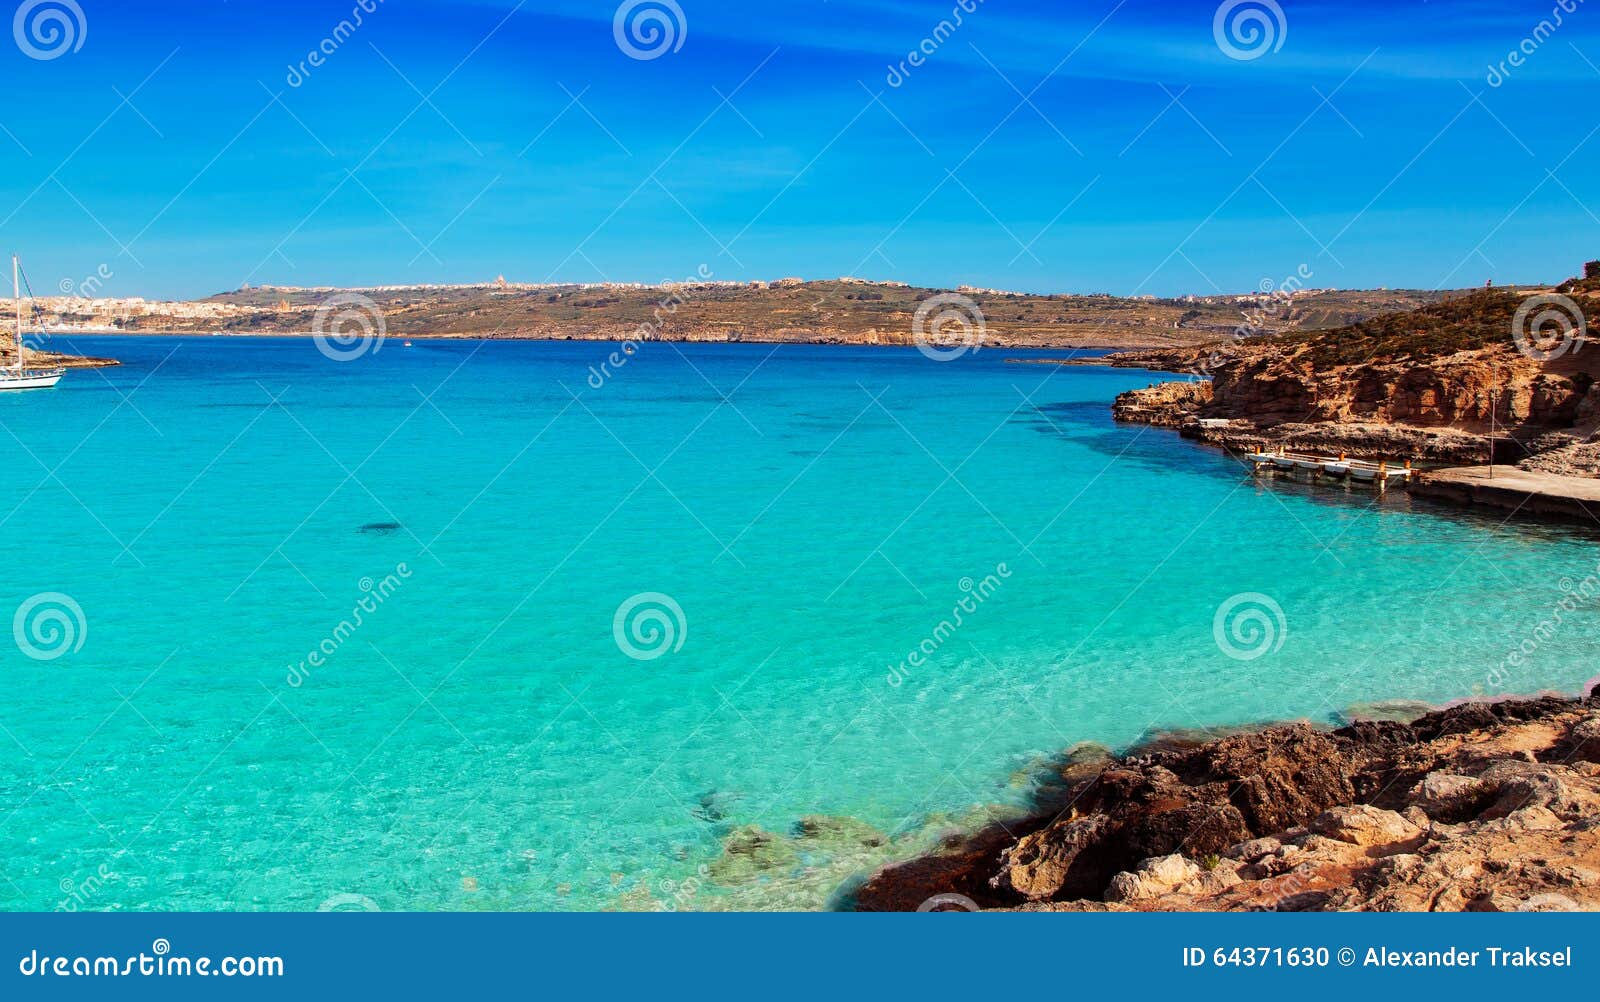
1426, 384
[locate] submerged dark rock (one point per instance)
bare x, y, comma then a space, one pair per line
715, 806
380, 528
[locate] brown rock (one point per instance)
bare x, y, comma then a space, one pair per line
1365, 826
1157, 876
1495, 818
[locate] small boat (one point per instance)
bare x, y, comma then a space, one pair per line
21, 377
408, 344
1340, 468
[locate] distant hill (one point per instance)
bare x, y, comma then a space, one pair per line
850, 311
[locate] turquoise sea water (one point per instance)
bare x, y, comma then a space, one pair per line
214, 507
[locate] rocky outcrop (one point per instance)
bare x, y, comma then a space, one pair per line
1439, 410
1459, 391
50, 359
1168, 405
1430, 385
1483, 806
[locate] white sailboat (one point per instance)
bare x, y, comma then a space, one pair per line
20, 377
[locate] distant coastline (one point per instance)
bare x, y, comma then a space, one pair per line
842, 311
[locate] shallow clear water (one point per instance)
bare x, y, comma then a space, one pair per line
480, 740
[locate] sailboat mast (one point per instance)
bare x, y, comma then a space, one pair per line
16, 294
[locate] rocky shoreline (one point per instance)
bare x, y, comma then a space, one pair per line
49, 359
1481, 806
1445, 385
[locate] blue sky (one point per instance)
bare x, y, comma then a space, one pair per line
1144, 158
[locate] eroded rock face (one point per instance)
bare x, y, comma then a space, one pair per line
1483, 806
1435, 408
1168, 405
1198, 801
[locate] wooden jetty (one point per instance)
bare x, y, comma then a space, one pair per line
1361, 471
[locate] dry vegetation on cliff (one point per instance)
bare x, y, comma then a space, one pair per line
1429, 384
1480, 319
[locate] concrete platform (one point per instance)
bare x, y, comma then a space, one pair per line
1541, 495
